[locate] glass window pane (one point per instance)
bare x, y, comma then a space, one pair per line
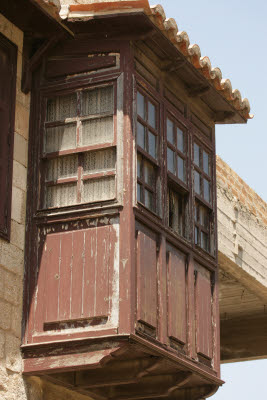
181, 169
98, 101
98, 161
206, 163
204, 241
196, 212
61, 107
99, 189
204, 217
141, 105
139, 166
170, 160
141, 135
149, 200
149, 173
196, 235
152, 115
206, 190
152, 144
170, 131
176, 212
180, 140
139, 192
60, 138
196, 154
96, 131
61, 167
61, 195
197, 182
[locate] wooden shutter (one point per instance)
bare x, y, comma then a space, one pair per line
8, 57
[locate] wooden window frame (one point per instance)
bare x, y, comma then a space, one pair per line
80, 151
7, 119
200, 170
176, 151
144, 154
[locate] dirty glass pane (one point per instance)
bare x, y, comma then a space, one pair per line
197, 182
204, 241
99, 189
206, 163
96, 131
204, 217
98, 161
149, 200
149, 174
138, 192
176, 217
61, 195
180, 140
181, 169
152, 115
62, 167
196, 235
98, 101
139, 165
206, 190
152, 144
141, 135
60, 138
196, 154
170, 131
170, 160
141, 105
61, 107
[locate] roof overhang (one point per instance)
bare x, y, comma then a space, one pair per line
137, 25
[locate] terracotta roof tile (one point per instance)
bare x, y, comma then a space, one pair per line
203, 64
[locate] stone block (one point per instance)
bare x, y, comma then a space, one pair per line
19, 176
13, 288
22, 120
5, 315
18, 205
16, 319
2, 344
20, 149
13, 356
11, 258
17, 236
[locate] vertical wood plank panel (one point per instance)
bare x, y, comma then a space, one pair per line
52, 277
77, 277
204, 312
65, 276
177, 296
146, 279
90, 273
102, 271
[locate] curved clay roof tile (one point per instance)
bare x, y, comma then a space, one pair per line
203, 64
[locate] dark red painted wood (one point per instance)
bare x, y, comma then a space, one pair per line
52, 279
146, 278
203, 312
77, 275
177, 313
65, 276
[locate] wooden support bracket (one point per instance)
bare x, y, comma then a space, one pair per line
198, 91
30, 64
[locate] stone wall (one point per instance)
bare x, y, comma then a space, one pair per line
242, 230
12, 254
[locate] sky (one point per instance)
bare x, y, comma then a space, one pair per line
233, 34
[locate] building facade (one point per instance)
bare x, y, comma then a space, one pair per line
131, 200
